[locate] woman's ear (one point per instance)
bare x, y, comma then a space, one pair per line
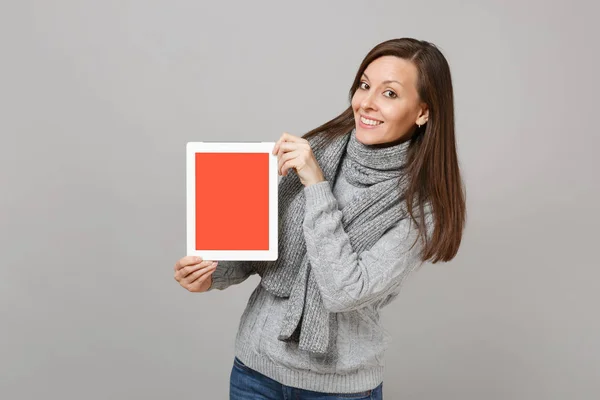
423, 115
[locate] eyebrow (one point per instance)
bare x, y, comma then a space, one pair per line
388, 81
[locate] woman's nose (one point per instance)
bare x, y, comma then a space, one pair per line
368, 102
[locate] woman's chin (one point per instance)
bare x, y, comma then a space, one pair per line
366, 138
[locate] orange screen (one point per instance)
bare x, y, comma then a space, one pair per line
232, 201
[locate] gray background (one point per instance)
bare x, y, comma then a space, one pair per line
99, 98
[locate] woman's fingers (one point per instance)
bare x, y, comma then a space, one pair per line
286, 157
287, 151
182, 272
197, 274
193, 273
187, 260
281, 139
201, 284
185, 271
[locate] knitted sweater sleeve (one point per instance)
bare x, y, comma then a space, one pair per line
348, 280
230, 273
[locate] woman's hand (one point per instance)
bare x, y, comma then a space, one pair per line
295, 152
194, 274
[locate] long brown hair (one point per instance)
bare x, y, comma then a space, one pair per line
434, 176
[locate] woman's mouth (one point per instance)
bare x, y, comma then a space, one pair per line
369, 123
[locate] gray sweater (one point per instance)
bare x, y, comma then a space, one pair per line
354, 286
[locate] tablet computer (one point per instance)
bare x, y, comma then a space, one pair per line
232, 200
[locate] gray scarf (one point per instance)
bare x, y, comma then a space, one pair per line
365, 219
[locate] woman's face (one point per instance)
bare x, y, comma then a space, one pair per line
387, 97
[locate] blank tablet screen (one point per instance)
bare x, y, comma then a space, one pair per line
234, 214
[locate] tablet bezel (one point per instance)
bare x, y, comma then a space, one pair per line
231, 147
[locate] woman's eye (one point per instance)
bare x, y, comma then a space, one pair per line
392, 95
365, 85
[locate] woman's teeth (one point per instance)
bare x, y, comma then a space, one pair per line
370, 121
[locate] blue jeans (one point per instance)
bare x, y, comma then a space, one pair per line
248, 384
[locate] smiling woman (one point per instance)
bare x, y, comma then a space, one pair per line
375, 193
